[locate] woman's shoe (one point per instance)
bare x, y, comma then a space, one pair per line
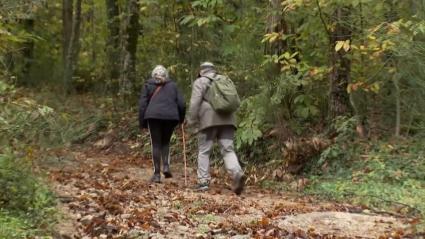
166, 171
156, 178
167, 174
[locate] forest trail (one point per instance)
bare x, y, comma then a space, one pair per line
107, 195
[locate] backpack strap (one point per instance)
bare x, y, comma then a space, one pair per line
155, 92
211, 78
209, 85
158, 88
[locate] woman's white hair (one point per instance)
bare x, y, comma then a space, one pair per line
160, 72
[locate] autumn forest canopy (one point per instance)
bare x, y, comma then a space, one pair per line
332, 91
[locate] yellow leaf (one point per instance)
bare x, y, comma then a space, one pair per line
274, 37
339, 45
266, 37
346, 45
375, 87
349, 88
285, 68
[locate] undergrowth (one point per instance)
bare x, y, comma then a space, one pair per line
28, 131
27, 205
384, 175
15, 226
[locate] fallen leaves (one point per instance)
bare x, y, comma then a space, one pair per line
110, 197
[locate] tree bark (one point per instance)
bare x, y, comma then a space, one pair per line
129, 48
73, 47
397, 107
359, 99
67, 6
133, 37
92, 20
28, 51
339, 103
276, 23
391, 16
113, 42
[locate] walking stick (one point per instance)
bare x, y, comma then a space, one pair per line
184, 155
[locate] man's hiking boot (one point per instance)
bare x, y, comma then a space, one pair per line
239, 183
166, 172
201, 187
156, 178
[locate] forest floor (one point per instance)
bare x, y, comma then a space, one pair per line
107, 194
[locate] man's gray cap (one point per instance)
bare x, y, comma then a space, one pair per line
206, 67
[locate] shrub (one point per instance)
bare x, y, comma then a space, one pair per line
20, 190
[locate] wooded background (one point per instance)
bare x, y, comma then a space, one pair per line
310, 72
332, 90
300, 63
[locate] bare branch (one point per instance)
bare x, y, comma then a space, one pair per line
322, 19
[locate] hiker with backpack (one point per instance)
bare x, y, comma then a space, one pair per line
161, 109
213, 104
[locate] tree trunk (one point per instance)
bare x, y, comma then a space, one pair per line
92, 20
276, 23
339, 103
28, 51
397, 107
133, 37
113, 42
391, 16
359, 99
73, 48
129, 47
66, 27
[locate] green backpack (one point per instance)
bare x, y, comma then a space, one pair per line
222, 95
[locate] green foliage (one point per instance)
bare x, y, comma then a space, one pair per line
389, 176
282, 72
25, 201
25, 122
252, 124
27, 128
344, 146
286, 99
15, 226
386, 46
20, 190
5, 88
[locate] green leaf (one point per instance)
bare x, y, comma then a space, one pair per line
299, 99
187, 19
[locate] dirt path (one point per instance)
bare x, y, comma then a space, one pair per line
109, 196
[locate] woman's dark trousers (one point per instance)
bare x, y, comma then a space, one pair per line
160, 133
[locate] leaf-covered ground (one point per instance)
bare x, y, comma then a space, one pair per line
107, 195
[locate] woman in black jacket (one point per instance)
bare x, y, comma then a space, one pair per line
162, 108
